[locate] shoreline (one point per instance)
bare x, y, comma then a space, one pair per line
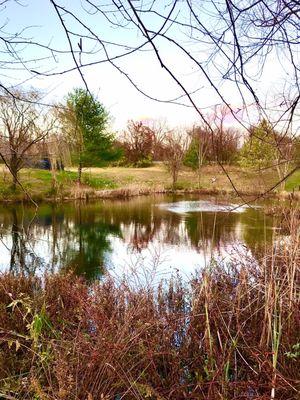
84, 194
126, 182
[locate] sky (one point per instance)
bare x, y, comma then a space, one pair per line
111, 82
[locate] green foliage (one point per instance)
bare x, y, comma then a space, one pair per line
295, 352
191, 158
7, 191
85, 122
39, 323
143, 163
43, 184
259, 150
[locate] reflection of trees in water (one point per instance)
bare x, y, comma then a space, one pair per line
22, 256
207, 230
78, 236
258, 232
71, 240
140, 224
85, 254
164, 230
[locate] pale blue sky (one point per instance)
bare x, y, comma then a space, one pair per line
114, 90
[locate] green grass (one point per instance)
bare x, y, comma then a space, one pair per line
69, 177
46, 176
293, 182
98, 182
40, 184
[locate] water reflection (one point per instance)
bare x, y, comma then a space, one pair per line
88, 238
85, 253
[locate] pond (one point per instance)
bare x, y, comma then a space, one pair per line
142, 237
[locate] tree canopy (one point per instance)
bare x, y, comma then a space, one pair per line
85, 123
259, 149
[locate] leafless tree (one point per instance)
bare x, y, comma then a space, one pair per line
200, 144
176, 145
22, 126
138, 141
225, 139
160, 130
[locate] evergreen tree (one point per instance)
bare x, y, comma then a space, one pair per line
85, 122
259, 149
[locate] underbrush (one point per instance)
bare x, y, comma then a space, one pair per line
230, 333
142, 163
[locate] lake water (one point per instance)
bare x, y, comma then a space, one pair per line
141, 237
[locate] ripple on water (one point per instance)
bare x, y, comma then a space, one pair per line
182, 207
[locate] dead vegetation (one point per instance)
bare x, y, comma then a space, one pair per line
230, 333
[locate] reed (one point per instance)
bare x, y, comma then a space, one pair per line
229, 333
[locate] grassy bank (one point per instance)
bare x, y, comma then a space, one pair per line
230, 333
41, 185
293, 183
121, 181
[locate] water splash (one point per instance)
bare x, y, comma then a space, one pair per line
182, 207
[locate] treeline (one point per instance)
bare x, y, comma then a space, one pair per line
77, 132
261, 147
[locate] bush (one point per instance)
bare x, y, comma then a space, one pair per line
143, 163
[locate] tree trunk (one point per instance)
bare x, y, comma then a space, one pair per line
174, 178
281, 171
15, 180
79, 172
199, 170
13, 168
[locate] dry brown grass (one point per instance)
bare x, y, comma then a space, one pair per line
158, 176
133, 181
228, 334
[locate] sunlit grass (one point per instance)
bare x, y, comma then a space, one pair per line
97, 182
42, 184
293, 182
